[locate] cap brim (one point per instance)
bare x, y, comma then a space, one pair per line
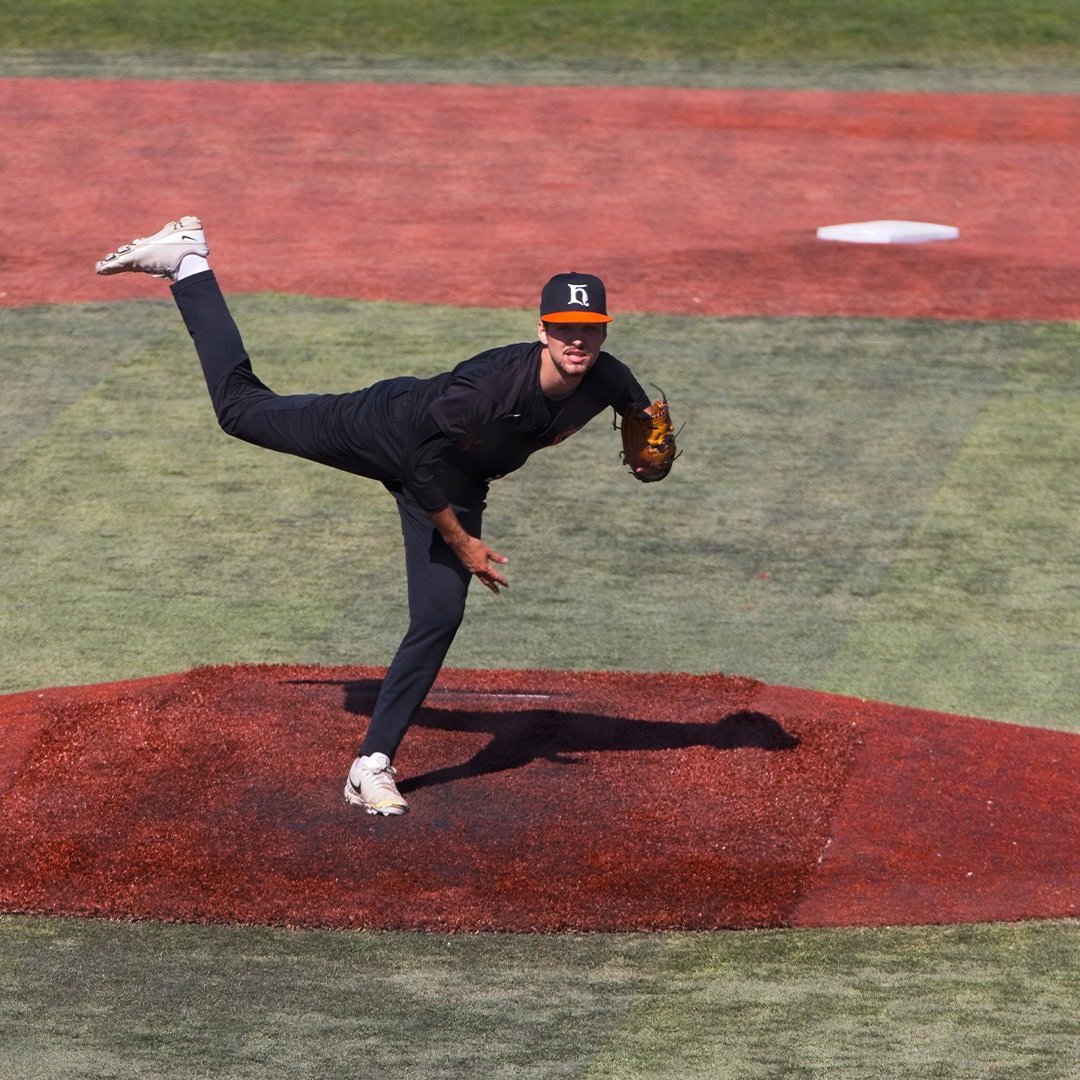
575, 317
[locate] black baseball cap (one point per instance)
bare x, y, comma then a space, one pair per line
574, 298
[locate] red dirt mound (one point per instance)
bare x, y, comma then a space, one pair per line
541, 801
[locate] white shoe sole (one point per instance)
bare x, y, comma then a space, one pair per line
354, 797
160, 254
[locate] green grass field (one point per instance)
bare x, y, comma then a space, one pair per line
881, 508
951, 1003
878, 508
904, 30
887, 44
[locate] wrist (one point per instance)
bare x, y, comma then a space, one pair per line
448, 526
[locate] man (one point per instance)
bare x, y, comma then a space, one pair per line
436, 444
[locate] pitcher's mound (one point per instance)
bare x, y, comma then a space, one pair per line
540, 801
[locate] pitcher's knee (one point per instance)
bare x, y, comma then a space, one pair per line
436, 625
442, 629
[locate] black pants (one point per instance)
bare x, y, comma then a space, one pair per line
307, 425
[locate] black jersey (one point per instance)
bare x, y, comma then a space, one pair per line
445, 438
486, 417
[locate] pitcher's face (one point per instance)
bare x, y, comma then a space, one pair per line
573, 347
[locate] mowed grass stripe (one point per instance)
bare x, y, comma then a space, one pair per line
810, 450
252, 1002
956, 1002
851, 1004
136, 542
138, 539
981, 610
47, 367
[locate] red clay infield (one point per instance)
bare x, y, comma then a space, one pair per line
540, 801
688, 201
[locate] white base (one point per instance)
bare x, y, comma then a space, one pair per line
888, 232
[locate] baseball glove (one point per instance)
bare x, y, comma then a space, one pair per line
649, 441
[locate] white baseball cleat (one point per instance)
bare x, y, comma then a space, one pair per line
161, 253
371, 785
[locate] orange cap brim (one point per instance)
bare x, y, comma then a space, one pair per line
574, 317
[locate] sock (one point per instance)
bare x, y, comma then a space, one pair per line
192, 263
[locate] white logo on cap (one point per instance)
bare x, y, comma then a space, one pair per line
579, 294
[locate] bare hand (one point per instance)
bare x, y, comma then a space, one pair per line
477, 558
470, 550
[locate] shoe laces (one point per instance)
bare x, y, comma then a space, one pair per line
382, 776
